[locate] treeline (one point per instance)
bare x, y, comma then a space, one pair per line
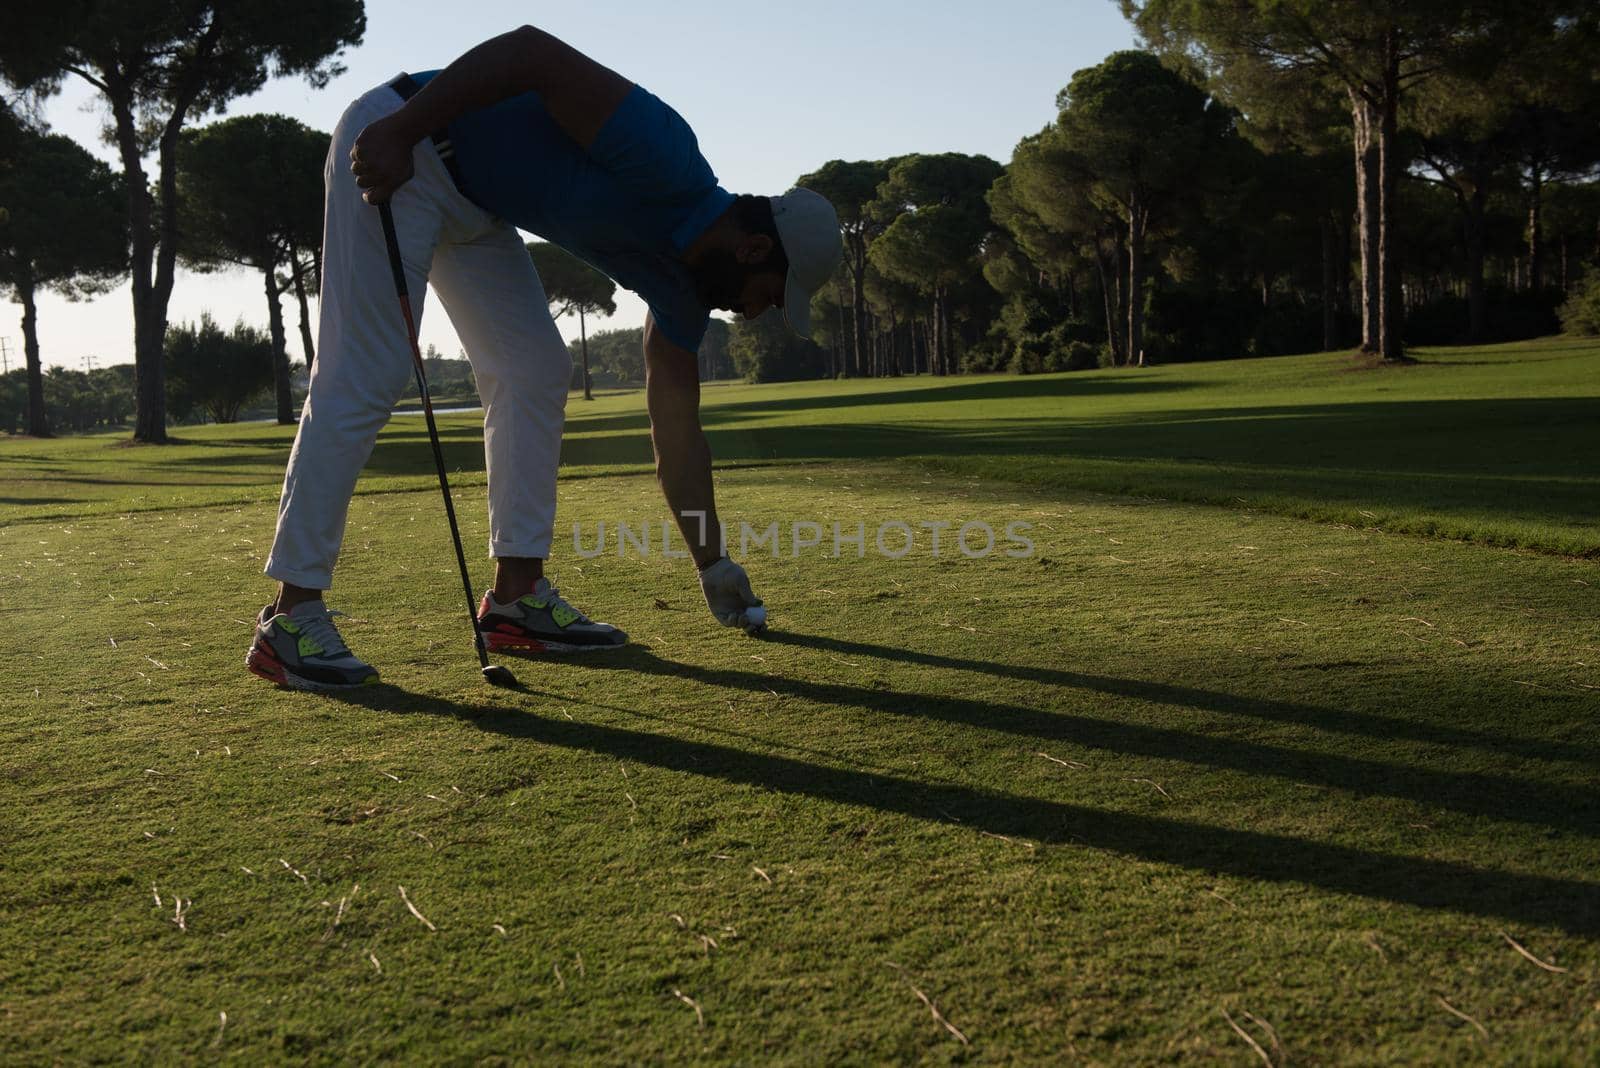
616, 357
1268, 178
157, 68
72, 401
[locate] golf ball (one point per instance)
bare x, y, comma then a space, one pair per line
755, 617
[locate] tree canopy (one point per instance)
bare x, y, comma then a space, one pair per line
251, 188
214, 372
158, 64
573, 287
63, 228
1373, 52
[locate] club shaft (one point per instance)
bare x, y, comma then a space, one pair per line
398, 267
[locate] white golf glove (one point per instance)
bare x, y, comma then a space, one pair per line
728, 595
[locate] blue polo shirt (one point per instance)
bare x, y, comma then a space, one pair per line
630, 205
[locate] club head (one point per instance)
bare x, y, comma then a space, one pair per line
495, 675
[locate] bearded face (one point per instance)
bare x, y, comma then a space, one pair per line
725, 284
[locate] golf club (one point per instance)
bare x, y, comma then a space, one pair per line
494, 674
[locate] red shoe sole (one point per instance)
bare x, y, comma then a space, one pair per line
263, 663
514, 643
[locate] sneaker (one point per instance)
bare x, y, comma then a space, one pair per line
301, 649
541, 622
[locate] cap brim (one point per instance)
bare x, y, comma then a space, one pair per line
797, 306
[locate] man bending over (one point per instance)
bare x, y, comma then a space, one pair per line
522, 131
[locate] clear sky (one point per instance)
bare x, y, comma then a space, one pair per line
771, 91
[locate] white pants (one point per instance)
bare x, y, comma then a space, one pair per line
482, 273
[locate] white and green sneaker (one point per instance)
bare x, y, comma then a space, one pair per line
302, 649
542, 622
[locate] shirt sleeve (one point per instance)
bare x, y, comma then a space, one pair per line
685, 329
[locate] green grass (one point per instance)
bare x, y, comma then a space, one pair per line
1493, 444
1186, 763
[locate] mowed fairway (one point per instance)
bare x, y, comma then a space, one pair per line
1286, 734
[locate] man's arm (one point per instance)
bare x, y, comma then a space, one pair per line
683, 467
683, 458
579, 94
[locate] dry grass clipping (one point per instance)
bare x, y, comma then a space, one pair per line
1453, 1011
700, 1017
939, 1017
1242, 1033
413, 910
1518, 947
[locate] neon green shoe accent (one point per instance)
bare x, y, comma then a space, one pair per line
370, 680
306, 645
564, 615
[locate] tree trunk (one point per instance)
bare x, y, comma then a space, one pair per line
280, 347
1138, 218
1535, 225
877, 345
149, 386
1121, 276
1330, 290
946, 355
1473, 226
838, 345
1108, 299
583, 346
38, 425
893, 359
167, 251
1345, 244
1368, 213
1391, 296
154, 241
941, 326
307, 348
858, 286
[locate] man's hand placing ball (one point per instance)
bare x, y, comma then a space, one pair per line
728, 595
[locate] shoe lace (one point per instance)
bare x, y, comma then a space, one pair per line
552, 600
320, 629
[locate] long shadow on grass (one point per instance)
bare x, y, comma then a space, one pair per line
1540, 804
1527, 458
719, 410
1319, 717
1570, 904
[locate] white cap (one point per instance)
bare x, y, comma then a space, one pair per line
808, 227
